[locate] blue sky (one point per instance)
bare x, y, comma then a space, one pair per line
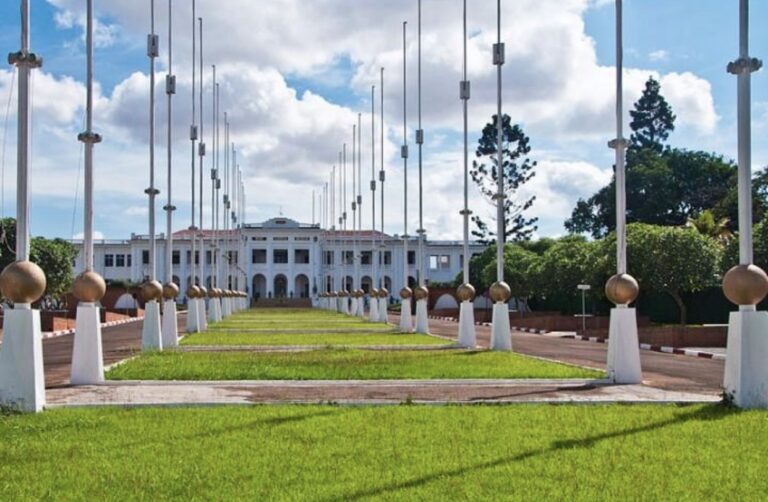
295, 85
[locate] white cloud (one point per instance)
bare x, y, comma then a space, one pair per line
658, 55
97, 235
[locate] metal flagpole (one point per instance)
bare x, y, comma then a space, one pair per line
383, 292
374, 292
191, 291
405, 293
466, 292
421, 293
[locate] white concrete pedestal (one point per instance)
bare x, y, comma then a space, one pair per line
202, 315
501, 337
344, 305
151, 337
373, 312
170, 328
226, 307
214, 310
192, 316
383, 310
422, 321
406, 322
746, 362
87, 355
361, 307
22, 382
353, 307
623, 347
467, 325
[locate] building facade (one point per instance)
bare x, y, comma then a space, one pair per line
281, 258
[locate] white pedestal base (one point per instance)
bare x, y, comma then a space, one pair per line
344, 305
422, 321
623, 347
467, 336
353, 307
22, 382
202, 316
361, 307
87, 355
746, 367
192, 324
373, 312
406, 322
169, 327
151, 338
214, 310
501, 337
383, 310
226, 307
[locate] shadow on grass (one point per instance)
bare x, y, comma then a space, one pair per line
713, 412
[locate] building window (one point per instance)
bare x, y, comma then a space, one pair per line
301, 256
209, 258
197, 257
387, 257
232, 257
328, 258
176, 257
109, 260
120, 260
279, 238
145, 257
129, 260
347, 258
439, 262
259, 256
411, 257
365, 258
258, 238
280, 256
303, 239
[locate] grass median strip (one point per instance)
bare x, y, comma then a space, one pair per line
341, 364
528, 452
298, 339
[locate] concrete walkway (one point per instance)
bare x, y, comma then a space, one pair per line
362, 392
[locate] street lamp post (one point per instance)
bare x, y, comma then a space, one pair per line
583, 288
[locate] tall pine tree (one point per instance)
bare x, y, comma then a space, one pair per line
517, 169
652, 119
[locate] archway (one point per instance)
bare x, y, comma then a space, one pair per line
280, 286
259, 286
388, 283
301, 286
366, 284
348, 283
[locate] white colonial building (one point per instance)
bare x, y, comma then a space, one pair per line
281, 258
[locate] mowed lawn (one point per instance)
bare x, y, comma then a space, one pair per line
361, 338
295, 319
319, 453
341, 364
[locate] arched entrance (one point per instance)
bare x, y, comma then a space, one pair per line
388, 284
280, 287
366, 284
259, 286
301, 286
348, 283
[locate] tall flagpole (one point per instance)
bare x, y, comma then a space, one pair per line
203, 318
405, 293
152, 290
501, 336
360, 293
421, 293
89, 287
466, 292
383, 291
373, 313
621, 289
170, 330
192, 291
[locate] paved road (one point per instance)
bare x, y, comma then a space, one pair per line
118, 343
664, 371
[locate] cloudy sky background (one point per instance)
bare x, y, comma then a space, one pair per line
294, 74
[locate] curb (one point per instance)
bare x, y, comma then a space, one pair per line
594, 339
71, 331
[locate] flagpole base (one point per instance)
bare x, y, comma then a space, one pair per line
22, 381
169, 327
746, 372
467, 336
151, 338
624, 347
406, 322
501, 337
87, 354
373, 312
422, 320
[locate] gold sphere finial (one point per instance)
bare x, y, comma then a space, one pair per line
383, 293
622, 289
500, 292
745, 285
193, 291
406, 293
465, 292
151, 290
421, 293
170, 291
89, 287
22, 282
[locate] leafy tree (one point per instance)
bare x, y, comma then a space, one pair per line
671, 260
664, 188
567, 263
706, 224
759, 248
652, 119
54, 256
517, 169
518, 271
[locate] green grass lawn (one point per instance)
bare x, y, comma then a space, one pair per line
319, 453
295, 319
362, 338
341, 364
